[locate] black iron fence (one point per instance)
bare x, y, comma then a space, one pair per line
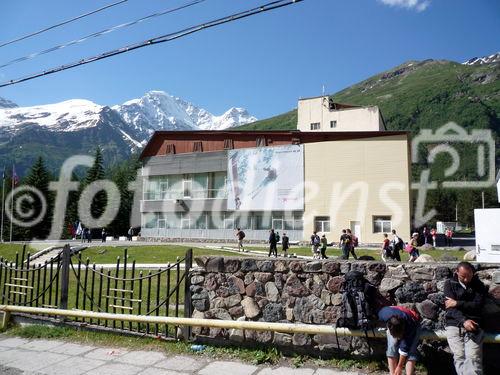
68, 281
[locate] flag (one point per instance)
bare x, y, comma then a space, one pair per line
79, 229
15, 177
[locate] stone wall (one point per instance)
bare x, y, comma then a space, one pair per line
291, 290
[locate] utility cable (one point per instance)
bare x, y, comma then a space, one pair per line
157, 40
61, 23
99, 33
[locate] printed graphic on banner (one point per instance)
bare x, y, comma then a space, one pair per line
269, 178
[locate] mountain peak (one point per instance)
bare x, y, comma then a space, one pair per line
483, 60
158, 110
4, 103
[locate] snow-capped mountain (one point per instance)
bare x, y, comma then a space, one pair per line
67, 116
483, 60
77, 126
158, 110
4, 103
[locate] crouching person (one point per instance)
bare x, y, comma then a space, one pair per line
403, 331
465, 295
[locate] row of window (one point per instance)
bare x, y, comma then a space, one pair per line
195, 185
256, 221
223, 220
381, 224
317, 125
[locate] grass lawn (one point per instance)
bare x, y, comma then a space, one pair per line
8, 251
160, 254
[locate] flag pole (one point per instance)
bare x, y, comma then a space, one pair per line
3, 204
12, 203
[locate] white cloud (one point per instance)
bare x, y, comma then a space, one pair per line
418, 5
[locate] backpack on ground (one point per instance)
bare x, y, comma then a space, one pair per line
356, 312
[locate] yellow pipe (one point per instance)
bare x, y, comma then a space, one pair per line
312, 329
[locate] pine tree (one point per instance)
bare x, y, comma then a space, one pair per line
122, 175
39, 178
96, 172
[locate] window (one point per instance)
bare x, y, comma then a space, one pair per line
170, 149
315, 126
333, 124
197, 146
149, 220
322, 223
185, 221
261, 142
201, 221
382, 224
187, 186
228, 144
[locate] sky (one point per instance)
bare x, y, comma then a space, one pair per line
263, 63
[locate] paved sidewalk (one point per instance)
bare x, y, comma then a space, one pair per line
35, 357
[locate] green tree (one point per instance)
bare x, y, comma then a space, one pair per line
122, 175
95, 173
39, 178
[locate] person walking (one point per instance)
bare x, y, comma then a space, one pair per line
403, 332
354, 243
465, 295
449, 237
103, 235
412, 248
272, 244
130, 234
345, 244
240, 235
386, 252
315, 242
324, 244
285, 244
89, 235
397, 245
434, 237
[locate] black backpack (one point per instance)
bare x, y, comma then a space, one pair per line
357, 293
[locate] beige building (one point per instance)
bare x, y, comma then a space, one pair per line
205, 184
322, 114
362, 184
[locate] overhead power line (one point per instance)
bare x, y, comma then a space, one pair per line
61, 23
160, 39
100, 33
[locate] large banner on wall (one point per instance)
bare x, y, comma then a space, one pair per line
266, 178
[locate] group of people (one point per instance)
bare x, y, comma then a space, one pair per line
431, 236
465, 295
347, 242
391, 248
274, 239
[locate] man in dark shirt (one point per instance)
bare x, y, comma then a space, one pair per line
403, 331
345, 244
465, 295
272, 244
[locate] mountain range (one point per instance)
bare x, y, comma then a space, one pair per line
411, 96
57, 131
422, 94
